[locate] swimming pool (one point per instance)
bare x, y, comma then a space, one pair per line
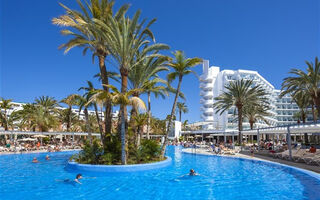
221, 178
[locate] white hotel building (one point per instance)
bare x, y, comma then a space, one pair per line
212, 83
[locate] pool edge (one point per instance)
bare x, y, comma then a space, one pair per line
118, 168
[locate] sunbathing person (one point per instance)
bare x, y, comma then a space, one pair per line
312, 149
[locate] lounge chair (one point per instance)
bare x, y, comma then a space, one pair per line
312, 158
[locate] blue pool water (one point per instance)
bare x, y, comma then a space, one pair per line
221, 178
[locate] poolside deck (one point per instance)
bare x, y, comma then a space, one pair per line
286, 162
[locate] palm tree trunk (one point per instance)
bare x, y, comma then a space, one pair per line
317, 104
163, 148
86, 115
69, 118
314, 113
123, 110
179, 115
149, 116
240, 123
303, 116
98, 120
251, 124
105, 82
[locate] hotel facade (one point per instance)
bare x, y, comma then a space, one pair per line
212, 84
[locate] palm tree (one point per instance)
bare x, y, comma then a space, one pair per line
182, 108
5, 105
303, 101
140, 121
141, 75
181, 66
254, 113
125, 37
88, 92
158, 90
84, 103
240, 93
26, 116
70, 101
185, 124
42, 119
69, 118
122, 99
306, 82
48, 103
88, 35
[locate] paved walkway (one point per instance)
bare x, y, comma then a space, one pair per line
286, 162
257, 157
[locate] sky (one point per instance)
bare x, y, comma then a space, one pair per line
269, 36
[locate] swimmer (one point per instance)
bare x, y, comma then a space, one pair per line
78, 177
35, 160
76, 180
193, 173
47, 157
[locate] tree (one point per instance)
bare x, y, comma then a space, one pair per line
140, 120
256, 112
88, 35
303, 101
240, 93
144, 76
84, 103
158, 90
181, 66
69, 118
49, 104
5, 105
88, 92
182, 108
68, 114
122, 99
125, 37
305, 82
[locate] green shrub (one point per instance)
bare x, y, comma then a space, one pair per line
91, 153
46, 140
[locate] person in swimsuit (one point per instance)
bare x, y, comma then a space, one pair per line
192, 173
47, 157
74, 181
35, 160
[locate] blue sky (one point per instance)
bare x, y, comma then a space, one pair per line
269, 36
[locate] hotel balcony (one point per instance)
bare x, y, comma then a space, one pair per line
208, 110
208, 102
206, 78
207, 118
207, 95
207, 85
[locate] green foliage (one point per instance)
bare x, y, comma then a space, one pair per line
46, 140
91, 153
148, 151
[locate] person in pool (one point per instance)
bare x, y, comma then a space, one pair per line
74, 181
78, 177
193, 173
47, 157
35, 160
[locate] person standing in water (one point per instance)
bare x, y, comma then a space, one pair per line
35, 160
